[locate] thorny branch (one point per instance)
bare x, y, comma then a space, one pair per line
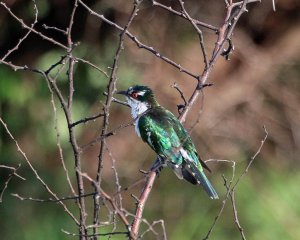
68, 110
234, 10
111, 88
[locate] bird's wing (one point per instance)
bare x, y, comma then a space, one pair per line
156, 130
192, 166
188, 148
161, 137
167, 137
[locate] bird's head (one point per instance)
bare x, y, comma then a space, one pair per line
140, 98
141, 94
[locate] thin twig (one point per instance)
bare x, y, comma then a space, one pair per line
226, 196
198, 30
180, 14
10, 176
252, 158
180, 106
139, 43
94, 235
26, 35
55, 29
58, 140
85, 120
235, 212
231, 188
32, 29
51, 199
103, 194
36, 173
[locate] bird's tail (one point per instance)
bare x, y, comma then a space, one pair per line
202, 179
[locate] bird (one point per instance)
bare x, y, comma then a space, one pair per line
164, 133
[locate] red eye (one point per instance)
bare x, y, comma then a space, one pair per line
134, 95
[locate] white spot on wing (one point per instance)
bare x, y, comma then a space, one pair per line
149, 138
185, 154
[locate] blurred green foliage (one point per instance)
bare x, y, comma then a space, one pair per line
267, 198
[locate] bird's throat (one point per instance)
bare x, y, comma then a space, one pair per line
137, 107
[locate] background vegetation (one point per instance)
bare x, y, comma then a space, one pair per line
258, 86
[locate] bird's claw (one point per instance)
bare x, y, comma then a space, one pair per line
157, 167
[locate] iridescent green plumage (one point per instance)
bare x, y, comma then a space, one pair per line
167, 137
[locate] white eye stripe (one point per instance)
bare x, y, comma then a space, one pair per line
141, 93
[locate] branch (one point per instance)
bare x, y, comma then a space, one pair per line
36, 173
180, 106
141, 204
31, 29
102, 193
180, 14
10, 176
200, 35
51, 199
231, 188
94, 235
26, 35
85, 120
139, 43
106, 110
235, 212
227, 186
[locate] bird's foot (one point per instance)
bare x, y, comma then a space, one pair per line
157, 166
157, 170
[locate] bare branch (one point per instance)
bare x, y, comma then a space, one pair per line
252, 158
141, 204
85, 120
139, 43
36, 173
51, 199
235, 212
180, 14
111, 200
227, 186
111, 88
26, 35
10, 176
55, 29
200, 35
231, 189
32, 29
94, 235
180, 106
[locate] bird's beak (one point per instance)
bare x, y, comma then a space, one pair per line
122, 93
